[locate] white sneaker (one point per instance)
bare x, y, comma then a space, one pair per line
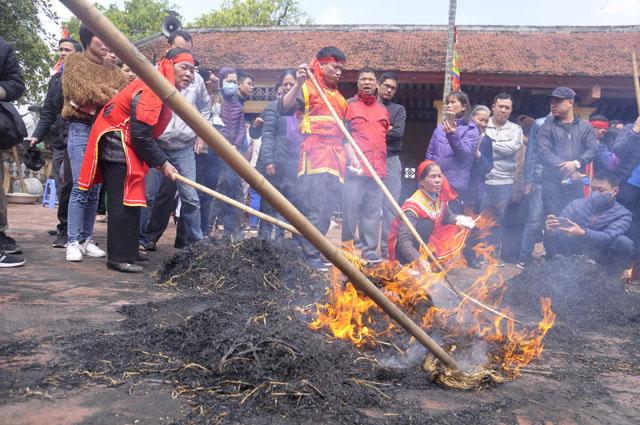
91, 249
74, 251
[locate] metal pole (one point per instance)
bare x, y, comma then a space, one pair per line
128, 53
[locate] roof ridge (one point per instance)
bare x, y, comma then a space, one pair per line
409, 28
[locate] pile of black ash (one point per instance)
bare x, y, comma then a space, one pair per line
242, 350
583, 293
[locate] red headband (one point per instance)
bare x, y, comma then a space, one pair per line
183, 57
328, 59
600, 124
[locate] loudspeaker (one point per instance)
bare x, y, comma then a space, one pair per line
170, 24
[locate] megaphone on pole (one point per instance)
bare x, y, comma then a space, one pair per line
170, 24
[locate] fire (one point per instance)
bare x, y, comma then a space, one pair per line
349, 314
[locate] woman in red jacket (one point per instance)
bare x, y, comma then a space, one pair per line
121, 149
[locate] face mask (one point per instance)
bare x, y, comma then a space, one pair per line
601, 200
229, 88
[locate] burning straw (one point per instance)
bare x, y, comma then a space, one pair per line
349, 314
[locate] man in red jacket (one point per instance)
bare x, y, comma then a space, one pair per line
368, 122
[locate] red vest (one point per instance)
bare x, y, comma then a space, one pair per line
321, 150
369, 125
445, 241
118, 120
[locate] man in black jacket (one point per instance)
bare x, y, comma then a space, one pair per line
387, 89
52, 123
11, 88
566, 144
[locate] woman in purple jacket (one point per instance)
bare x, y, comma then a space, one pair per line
453, 144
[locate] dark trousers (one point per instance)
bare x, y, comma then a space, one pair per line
535, 223
123, 222
267, 230
207, 174
64, 187
230, 184
320, 195
629, 197
615, 255
361, 204
555, 197
287, 182
497, 199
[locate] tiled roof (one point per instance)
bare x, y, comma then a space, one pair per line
552, 51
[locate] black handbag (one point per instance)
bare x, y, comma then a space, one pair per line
12, 128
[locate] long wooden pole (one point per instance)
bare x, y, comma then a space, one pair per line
461, 295
239, 205
128, 53
636, 82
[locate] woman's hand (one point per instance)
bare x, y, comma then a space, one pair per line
448, 127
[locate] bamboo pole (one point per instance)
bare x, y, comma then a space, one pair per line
16, 158
461, 295
128, 53
239, 205
636, 82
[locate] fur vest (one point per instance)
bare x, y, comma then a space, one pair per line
87, 83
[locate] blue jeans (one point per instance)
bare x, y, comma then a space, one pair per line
535, 222
497, 198
207, 174
189, 229
83, 204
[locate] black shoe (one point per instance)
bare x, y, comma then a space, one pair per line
8, 245
124, 267
53, 232
180, 243
150, 246
7, 260
60, 242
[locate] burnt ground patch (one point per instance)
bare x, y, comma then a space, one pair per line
234, 342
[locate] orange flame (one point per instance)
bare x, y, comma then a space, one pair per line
351, 315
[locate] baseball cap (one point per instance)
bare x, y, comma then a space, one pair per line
564, 93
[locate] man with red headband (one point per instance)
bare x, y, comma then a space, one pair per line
323, 154
600, 124
428, 211
121, 148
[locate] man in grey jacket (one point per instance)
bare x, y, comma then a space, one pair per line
507, 141
387, 89
566, 144
178, 142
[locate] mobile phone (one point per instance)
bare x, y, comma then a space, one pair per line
563, 222
449, 118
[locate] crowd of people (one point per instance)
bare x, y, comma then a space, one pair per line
580, 179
